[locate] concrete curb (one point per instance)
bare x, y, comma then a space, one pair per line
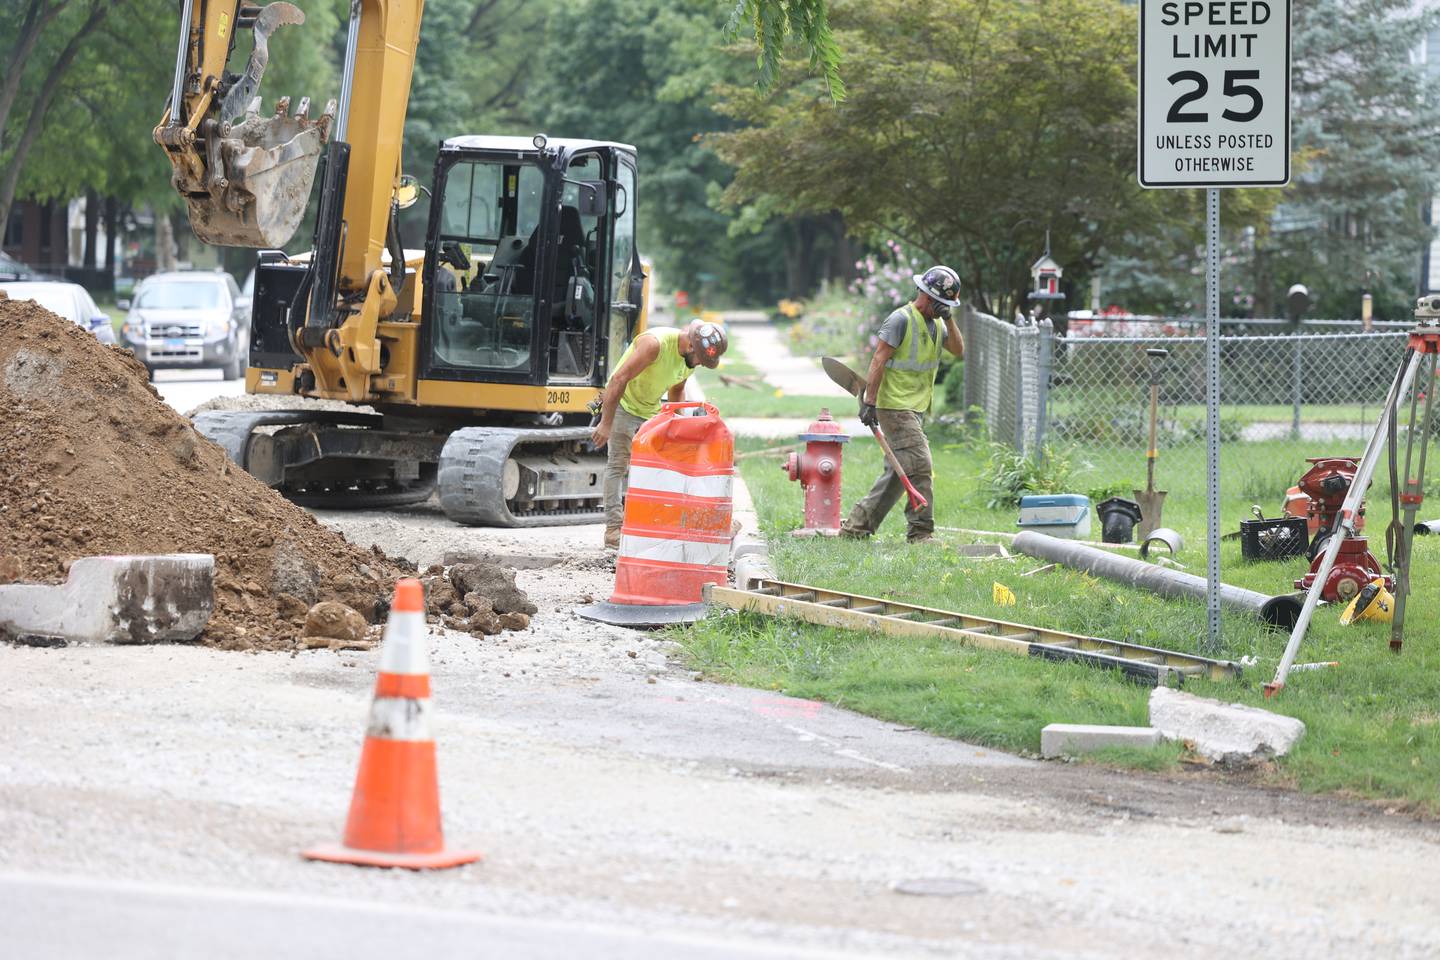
1075, 739
123, 599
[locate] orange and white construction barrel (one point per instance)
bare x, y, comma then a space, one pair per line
676, 534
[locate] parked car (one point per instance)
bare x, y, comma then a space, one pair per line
12, 269
69, 300
189, 319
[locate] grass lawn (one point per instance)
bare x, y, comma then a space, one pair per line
1373, 723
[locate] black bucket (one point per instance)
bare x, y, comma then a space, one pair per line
1118, 517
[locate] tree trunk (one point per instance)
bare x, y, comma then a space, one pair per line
36, 19
41, 106
112, 233
92, 228
164, 243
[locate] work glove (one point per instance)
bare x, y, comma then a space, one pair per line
867, 414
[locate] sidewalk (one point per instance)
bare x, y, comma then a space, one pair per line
759, 342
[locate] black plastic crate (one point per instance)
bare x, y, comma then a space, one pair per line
1274, 539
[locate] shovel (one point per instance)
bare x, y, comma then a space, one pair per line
1151, 500
851, 382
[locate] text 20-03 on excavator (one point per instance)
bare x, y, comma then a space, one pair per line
477, 359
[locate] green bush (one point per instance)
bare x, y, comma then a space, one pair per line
1010, 475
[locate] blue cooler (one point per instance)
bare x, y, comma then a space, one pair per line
1064, 515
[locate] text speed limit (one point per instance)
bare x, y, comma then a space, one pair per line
1214, 93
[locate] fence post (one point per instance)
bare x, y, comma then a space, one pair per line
1295, 388
1022, 334
1044, 363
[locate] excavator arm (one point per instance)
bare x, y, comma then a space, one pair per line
247, 178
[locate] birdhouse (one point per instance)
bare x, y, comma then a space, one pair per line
1046, 274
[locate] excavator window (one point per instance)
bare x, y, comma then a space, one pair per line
483, 308
622, 257
576, 275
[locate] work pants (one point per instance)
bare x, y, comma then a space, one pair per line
905, 429
617, 469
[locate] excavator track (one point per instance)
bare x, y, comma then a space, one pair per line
485, 476
521, 477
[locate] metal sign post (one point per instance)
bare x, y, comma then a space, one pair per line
1212, 414
1214, 112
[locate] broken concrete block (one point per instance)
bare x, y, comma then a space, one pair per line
751, 568
122, 599
746, 547
1074, 739
1223, 732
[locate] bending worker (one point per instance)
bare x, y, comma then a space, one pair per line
658, 362
897, 394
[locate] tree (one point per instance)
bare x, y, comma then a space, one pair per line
968, 129
50, 36
773, 23
1366, 120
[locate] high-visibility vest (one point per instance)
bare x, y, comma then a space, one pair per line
909, 379
642, 395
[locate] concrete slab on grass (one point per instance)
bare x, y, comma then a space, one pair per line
1075, 739
1223, 732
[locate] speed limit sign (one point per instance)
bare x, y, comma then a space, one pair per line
1214, 93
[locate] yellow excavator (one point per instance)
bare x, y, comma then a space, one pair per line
470, 365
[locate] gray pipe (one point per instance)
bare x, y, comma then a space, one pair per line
1281, 611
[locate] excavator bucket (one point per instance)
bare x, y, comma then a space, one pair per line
260, 174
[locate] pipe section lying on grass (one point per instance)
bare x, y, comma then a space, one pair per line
1280, 612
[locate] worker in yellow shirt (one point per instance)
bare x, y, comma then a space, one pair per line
657, 363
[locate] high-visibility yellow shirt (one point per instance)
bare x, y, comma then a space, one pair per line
909, 381
642, 395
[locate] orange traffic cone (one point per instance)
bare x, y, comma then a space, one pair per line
395, 808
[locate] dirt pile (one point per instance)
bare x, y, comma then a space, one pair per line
93, 462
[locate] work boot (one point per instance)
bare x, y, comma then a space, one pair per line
853, 533
923, 538
612, 539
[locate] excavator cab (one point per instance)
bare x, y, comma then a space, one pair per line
529, 241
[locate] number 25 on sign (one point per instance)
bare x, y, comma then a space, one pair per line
1214, 93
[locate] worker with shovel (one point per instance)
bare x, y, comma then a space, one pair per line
657, 363
896, 398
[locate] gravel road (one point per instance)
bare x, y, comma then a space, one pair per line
611, 790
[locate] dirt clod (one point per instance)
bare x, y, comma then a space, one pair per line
11, 569
335, 621
514, 621
93, 462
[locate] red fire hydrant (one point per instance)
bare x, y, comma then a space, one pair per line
818, 470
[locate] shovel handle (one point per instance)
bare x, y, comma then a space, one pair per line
917, 502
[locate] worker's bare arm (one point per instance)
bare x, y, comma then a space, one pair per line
677, 392
954, 342
647, 351
883, 353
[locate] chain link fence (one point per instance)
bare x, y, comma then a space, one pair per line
1286, 393
1007, 372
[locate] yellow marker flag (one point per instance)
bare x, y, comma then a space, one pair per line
1002, 594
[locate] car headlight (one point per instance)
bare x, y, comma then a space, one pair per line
220, 326
134, 329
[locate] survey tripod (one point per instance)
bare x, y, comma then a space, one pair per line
1422, 352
